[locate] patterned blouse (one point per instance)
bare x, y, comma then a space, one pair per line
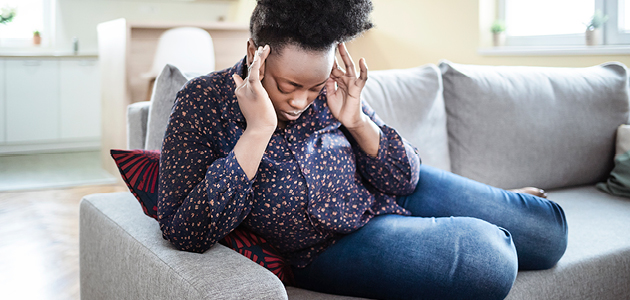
314, 183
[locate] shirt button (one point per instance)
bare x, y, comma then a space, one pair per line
290, 139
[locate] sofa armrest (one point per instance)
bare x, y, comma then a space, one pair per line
123, 256
137, 116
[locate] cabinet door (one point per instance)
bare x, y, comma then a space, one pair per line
80, 98
3, 118
32, 91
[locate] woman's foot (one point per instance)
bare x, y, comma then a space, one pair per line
531, 190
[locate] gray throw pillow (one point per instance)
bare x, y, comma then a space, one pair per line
534, 126
411, 101
165, 89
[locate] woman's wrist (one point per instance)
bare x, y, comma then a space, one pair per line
367, 134
250, 148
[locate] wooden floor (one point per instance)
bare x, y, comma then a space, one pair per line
39, 242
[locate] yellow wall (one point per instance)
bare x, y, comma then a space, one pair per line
409, 33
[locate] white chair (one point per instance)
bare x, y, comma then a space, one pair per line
190, 49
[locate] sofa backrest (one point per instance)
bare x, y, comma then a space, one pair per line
534, 126
411, 101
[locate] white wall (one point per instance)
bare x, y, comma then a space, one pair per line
80, 17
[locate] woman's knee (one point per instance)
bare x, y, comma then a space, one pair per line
547, 243
460, 257
487, 263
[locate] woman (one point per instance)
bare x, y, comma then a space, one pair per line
282, 144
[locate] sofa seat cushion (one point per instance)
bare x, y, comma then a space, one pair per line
534, 126
411, 101
596, 264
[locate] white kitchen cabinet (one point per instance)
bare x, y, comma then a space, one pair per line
3, 119
80, 99
32, 100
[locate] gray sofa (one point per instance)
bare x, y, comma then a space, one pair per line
506, 126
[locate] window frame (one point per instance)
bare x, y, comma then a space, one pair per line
611, 34
48, 31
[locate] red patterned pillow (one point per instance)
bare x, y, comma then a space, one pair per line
258, 250
140, 171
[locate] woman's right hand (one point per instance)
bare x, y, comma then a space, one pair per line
253, 99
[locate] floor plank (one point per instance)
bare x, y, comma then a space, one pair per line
39, 242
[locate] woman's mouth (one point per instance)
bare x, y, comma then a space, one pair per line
292, 115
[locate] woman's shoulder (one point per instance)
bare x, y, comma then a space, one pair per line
213, 90
219, 82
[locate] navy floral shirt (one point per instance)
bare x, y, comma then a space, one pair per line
314, 183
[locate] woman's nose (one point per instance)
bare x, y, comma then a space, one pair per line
299, 101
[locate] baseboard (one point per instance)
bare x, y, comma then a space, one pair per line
58, 146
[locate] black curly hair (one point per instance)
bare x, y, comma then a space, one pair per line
310, 24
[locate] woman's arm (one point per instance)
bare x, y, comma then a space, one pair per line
201, 195
383, 158
395, 169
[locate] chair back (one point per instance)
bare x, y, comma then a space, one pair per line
190, 49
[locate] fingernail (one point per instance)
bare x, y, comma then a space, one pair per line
266, 47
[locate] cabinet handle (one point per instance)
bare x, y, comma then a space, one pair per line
32, 63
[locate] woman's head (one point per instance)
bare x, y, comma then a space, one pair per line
302, 35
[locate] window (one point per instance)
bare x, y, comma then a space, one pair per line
562, 22
31, 15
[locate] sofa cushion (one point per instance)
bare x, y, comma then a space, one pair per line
411, 101
165, 89
534, 126
140, 171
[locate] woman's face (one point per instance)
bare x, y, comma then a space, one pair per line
294, 77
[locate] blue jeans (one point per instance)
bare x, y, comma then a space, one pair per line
465, 240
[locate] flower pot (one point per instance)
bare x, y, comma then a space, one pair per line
498, 39
37, 39
594, 36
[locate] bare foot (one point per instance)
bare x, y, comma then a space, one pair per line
532, 191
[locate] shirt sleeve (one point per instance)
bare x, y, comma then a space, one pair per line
201, 196
395, 169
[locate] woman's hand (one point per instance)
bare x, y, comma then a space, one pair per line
258, 112
253, 99
343, 90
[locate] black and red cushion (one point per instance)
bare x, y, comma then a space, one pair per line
140, 171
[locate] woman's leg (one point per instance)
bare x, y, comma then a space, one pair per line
538, 226
402, 257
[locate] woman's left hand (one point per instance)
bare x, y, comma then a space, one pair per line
344, 97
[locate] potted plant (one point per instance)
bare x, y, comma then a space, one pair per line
593, 29
498, 33
37, 38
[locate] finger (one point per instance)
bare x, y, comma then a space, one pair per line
347, 60
254, 69
363, 76
330, 86
264, 53
237, 80
336, 72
